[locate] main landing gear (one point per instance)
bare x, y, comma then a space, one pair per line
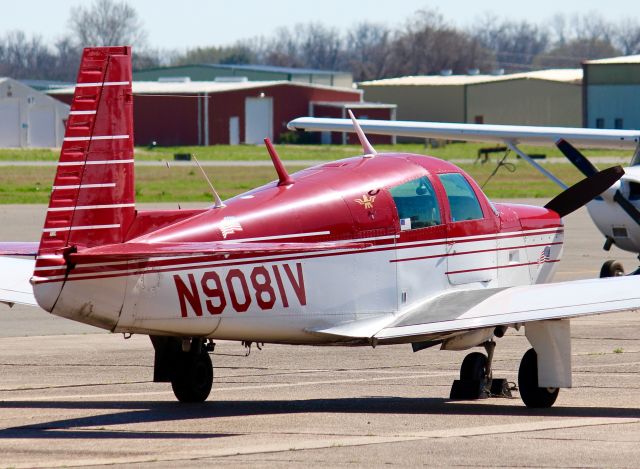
476, 380
531, 394
476, 377
186, 364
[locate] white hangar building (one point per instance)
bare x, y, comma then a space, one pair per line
29, 118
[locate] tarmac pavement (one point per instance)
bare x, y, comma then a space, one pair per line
72, 395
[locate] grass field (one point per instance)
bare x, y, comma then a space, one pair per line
299, 152
32, 184
184, 184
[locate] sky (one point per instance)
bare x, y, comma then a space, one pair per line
191, 23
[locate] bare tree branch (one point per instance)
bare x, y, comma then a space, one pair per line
107, 23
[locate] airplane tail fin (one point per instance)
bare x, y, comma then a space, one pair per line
92, 199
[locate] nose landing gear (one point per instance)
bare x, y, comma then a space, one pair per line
611, 269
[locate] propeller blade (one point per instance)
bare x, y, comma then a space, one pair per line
584, 191
578, 159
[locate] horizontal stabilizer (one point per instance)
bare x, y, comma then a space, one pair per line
14, 281
18, 249
127, 251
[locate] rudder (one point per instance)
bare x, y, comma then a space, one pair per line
93, 196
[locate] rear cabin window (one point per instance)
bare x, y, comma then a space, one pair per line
462, 200
417, 204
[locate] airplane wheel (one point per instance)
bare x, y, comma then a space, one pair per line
474, 367
194, 377
611, 269
531, 394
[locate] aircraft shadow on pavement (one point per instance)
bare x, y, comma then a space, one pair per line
139, 412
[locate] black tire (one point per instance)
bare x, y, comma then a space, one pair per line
533, 396
474, 367
611, 269
193, 378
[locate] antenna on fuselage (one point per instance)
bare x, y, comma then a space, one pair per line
369, 151
283, 175
216, 198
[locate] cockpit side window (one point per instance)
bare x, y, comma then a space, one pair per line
417, 204
463, 202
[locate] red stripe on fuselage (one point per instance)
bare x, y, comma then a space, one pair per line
508, 266
214, 258
203, 262
475, 252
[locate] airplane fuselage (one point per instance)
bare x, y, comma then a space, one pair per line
403, 254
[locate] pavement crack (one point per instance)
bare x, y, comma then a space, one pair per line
72, 386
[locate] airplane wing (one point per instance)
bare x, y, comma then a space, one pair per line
18, 249
515, 134
466, 310
131, 251
14, 281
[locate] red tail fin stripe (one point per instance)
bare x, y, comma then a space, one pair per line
85, 186
77, 228
81, 163
95, 137
106, 83
89, 207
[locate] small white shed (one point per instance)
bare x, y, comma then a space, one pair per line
29, 118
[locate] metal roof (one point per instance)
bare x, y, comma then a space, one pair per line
626, 59
355, 104
254, 68
276, 69
559, 75
195, 87
45, 84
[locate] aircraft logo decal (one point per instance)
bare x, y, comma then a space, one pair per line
545, 255
366, 201
229, 225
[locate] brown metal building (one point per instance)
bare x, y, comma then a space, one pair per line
209, 113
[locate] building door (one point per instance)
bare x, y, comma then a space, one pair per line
42, 127
9, 122
258, 120
234, 130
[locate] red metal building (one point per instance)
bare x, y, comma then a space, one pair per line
209, 113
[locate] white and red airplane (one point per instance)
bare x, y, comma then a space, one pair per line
371, 250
